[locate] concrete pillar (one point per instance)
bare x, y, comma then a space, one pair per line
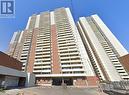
30, 80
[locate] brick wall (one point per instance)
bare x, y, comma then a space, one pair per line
125, 61
10, 62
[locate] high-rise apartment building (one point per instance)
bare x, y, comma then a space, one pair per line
57, 52
104, 50
52, 49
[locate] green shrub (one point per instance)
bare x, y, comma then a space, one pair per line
2, 90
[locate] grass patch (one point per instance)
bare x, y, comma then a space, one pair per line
2, 90
20, 93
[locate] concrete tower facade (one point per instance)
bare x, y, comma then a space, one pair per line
103, 49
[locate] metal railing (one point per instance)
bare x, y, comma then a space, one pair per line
117, 88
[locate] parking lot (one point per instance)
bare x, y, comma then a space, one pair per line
54, 91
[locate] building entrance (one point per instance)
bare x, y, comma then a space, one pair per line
59, 81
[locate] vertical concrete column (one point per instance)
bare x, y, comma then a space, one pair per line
54, 46
30, 80
31, 58
21, 43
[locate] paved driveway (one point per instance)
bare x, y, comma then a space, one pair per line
55, 91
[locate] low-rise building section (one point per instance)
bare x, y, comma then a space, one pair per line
11, 74
125, 62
